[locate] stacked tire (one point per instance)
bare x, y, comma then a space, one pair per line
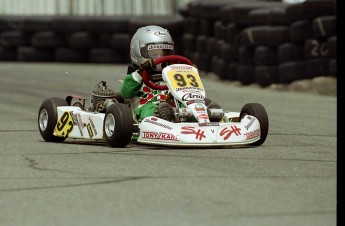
77, 39
254, 41
263, 42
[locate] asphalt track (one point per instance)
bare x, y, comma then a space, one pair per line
289, 180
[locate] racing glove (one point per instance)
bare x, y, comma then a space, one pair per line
147, 65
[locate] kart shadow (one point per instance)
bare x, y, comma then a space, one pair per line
135, 146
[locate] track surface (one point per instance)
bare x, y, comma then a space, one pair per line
289, 180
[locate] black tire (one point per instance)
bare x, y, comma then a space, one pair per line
259, 112
332, 47
232, 71
107, 24
36, 23
191, 25
266, 75
219, 30
73, 23
278, 16
228, 53
105, 55
82, 40
13, 39
324, 26
120, 41
173, 23
221, 69
246, 74
46, 40
277, 35
118, 125
265, 56
47, 118
315, 48
292, 71
332, 67
70, 55
8, 54
255, 36
32, 54
188, 42
290, 52
201, 41
258, 17
246, 55
300, 31
231, 32
317, 67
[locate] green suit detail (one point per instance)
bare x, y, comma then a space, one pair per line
148, 99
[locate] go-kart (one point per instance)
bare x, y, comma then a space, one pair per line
195, 124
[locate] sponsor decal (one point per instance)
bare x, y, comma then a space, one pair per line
159, 136
186, 89
78, 121
89, 130
159, 46
64, 125
195, 101
157, 124
161, 34
199, 134
252, 135
202, 116
192, 96
199, 107
182, 67
209, 124
93, 125
250, 122
227, 132
74, 117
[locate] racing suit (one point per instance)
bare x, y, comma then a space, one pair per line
144, 100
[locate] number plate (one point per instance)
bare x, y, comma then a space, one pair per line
64, 125
184, 79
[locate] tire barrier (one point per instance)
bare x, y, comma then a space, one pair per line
256, 41
264, 42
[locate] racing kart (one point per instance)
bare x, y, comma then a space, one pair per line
195, 124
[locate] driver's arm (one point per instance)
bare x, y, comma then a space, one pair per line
131, 85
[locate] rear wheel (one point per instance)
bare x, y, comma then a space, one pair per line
259, 112
47, 118
118, 125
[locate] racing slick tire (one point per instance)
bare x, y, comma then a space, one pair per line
47, 118
118, 125
259, 112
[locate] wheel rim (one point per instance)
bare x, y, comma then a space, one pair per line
109, 125
43, 119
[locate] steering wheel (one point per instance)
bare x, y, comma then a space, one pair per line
172, 59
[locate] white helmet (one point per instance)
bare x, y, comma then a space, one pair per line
150, 42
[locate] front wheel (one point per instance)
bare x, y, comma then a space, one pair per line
47, 118
118, 125
259, 112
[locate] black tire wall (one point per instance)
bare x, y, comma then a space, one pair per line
245, 41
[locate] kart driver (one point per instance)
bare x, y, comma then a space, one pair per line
147, 44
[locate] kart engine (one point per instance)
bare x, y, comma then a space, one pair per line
101, 97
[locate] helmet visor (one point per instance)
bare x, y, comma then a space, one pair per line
154, 50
